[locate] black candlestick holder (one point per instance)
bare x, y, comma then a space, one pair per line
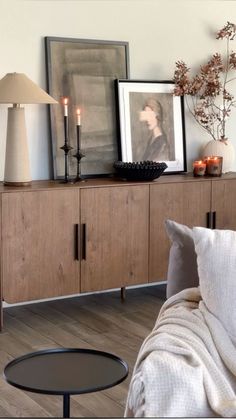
66, 148
78, 155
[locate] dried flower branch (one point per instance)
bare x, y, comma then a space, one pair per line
211, 102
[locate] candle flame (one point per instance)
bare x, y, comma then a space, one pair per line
78, 111
64, 100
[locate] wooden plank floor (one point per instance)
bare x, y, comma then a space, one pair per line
98, 321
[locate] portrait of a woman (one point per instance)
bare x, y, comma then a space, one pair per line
156, 147
151, 123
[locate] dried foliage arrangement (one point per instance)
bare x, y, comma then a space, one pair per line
211, 102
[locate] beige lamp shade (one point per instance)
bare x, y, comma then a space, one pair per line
17, 88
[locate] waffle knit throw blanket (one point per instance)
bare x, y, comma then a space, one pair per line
186, 367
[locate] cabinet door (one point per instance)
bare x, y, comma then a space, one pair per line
224, 203
38, 244
187, 203
116, 228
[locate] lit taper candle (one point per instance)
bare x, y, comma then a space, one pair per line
78, 117
66, 147
65, 101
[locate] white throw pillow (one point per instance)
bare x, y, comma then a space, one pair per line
182, 267
216, 258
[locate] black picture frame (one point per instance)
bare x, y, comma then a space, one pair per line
84, 70
138, 101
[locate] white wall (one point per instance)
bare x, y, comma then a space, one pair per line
159, 33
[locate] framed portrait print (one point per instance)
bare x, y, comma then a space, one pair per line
84, 72
151, 123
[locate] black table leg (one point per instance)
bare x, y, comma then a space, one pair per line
66, 406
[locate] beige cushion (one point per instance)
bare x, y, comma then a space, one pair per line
182, 268
216, 257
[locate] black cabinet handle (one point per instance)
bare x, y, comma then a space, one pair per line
214, 219
208, 214
211, 219
83, 241
77, 241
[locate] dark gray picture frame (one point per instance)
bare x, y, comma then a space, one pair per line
133, 97
84, 70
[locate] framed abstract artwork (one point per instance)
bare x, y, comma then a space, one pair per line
84, 72
151, 123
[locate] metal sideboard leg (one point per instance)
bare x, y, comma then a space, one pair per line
66, 405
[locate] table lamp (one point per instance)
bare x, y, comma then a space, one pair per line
17, 88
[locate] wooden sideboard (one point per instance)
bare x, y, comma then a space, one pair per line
63, 239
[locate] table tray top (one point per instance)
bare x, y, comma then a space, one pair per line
66, 371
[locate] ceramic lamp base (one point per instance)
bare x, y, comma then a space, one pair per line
17, 167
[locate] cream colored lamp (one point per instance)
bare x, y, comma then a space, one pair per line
17, 88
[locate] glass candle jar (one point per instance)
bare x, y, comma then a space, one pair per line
199, 168
213, 165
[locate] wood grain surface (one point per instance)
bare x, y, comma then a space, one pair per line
99, 321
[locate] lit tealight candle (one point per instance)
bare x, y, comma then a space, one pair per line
199, 168
78, 117
214, 165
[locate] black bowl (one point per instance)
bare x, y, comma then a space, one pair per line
143, 170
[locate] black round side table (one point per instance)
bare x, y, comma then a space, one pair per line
64, 372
